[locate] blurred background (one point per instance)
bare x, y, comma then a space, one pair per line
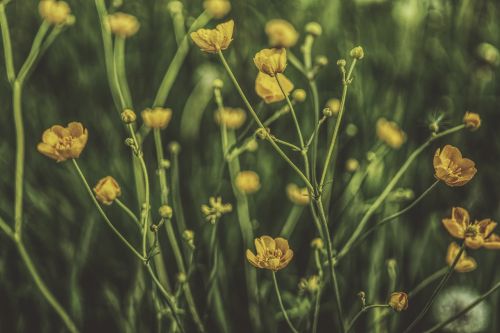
424, 60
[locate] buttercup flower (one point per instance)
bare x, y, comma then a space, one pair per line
476, 234
317, 243
299, 95
233, 118
273, 254
451, 168
215, 209
398, 301
390, 133
123, 25
464, 264
247, 182
157, 117
62, 143
107, 190
281, 33
472, 120
297, 195
270, 61
310, 284
217, 8
214, 40
54, 12
267, 88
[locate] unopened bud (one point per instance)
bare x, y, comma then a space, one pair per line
357, 53
128, 116
314, 28
165, 211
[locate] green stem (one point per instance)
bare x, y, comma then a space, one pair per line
7, 45
317, 303
128, 212
436, 291
292, 111
6, 228
34, 52
428, 280
119, 53
291, 221
278, 294
363, 310
103, 214
464, 310
20, 150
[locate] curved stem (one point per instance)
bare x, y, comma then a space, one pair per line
278, 294
292, 111
363, 310
428, 280
128, 211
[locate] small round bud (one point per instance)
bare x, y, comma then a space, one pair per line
341, 63
299, 95
398, 301
174, 147
128, 116
327, 112
351, 165
334, 105
70, 21
357, 53
351, 130
252, 145
322, 60
165, 164
218, 84
317, 243
188, 235
130, 142
182, 277
175, 7
472, 120
165, 211
314, 28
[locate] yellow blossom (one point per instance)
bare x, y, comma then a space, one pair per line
128, 116
334, 105
451, 168
247, 182
317, 243
351, 165
281, 33
398, 301
390, 133
472, 120
271, 61
299, 95
157, 117
215, 209
310, 284
464, 264
268, 89
233, 118
54, 12
273, 254
123, 25
297, 195
475, 234
217, 8
62, 143
166, 211
214, 40
107, 190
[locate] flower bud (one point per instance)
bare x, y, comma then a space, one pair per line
217, 8
351, 165
321, 60
175, 7
398, 301
165, 211
341, 63
317, 243
299, 95
281, 33
123, 25
128, 116
314, 28
54, 12
174, 147
182, 277
247, 181
357, 53
327, 112
334, 105
218, 84
156, 117
472, 120
107, 190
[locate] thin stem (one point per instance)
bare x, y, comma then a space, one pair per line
7, 45
317, 303
259, 122
437, 290
278, 294
34, 52
103, 214
363, 310
119, 53
128, 211
286, 144
427, 281
6, 228
464, 310
291, 221
20, 150
119, 84
292, 111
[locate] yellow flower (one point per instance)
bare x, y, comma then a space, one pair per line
310, 284
273, 254
398, 301
123, 25
390, 133
217, 8
464, 264
472, 120
267, 88
281, 33
166, 211
107, 190
299, 95
54, 12
317, 243
214, 40
351, 165
476, 234
233, 118
451, 168
297, 195
270, 61
157, 117
334, 105
61, 143
215, 210
247, 182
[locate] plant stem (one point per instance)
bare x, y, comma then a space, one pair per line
317, 303
103, 214
119, 53
34, 52
428, 280
7, 45
128, 211
20, 148
363, 310
292, 111
291, 221
278, 294
437, 290
465, 310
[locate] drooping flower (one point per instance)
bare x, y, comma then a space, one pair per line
268, 89
273, 254
54, 12
451, 168
281, 33
214, 40
476, 234
270, 61
390, 133
107, 190
297, 195
157, 117
62, 143
215, 209
464, 264
217, 8
472, 120
247, 181
398, 301
233, 118
123, 25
